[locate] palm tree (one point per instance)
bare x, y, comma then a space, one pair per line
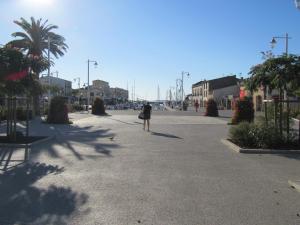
34, 43
34, 40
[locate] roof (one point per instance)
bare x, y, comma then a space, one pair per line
222, 82
197, 84
219, 82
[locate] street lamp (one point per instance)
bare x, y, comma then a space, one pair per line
286, 37
274, 42
182, 76
88, 83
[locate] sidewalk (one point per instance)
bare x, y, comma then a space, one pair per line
36, 128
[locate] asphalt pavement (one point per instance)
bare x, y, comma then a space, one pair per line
107, 170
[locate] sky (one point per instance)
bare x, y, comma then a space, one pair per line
152, 41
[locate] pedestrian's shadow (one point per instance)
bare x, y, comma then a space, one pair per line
165, 135
21, 202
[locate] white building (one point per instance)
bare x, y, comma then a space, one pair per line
57, 86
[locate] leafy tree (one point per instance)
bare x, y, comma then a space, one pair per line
282, 73
34, 40
34, 43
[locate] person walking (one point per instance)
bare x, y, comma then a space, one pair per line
196, 105
147, 109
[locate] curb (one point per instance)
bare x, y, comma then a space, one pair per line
238, 149
28, 145
295, 184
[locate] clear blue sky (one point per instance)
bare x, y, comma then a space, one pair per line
152, 41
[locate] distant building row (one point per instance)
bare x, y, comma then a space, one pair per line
99, 88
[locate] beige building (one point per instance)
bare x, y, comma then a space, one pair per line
100, 88
119, 94
223, 90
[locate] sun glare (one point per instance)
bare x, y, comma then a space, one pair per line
38, 2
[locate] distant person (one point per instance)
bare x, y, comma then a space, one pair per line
196, 105
147, 109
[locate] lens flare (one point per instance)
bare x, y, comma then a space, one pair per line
37, 3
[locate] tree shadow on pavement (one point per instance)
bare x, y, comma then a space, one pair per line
23, 203
165, 135
7, 161
79, 141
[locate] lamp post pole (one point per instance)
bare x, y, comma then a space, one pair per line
273, 42
182, 94
88, 81
49, 70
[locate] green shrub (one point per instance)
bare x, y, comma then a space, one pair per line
211, 108
261, 135
244, 111
58, 112
98, 107
243, 134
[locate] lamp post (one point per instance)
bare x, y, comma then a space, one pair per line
88, 81
273, 43
286, 37
182, 94
49, 42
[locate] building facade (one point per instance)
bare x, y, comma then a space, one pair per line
119, 94
101, 89
223, 90
57, 86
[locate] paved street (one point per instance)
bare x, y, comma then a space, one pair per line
107, 170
